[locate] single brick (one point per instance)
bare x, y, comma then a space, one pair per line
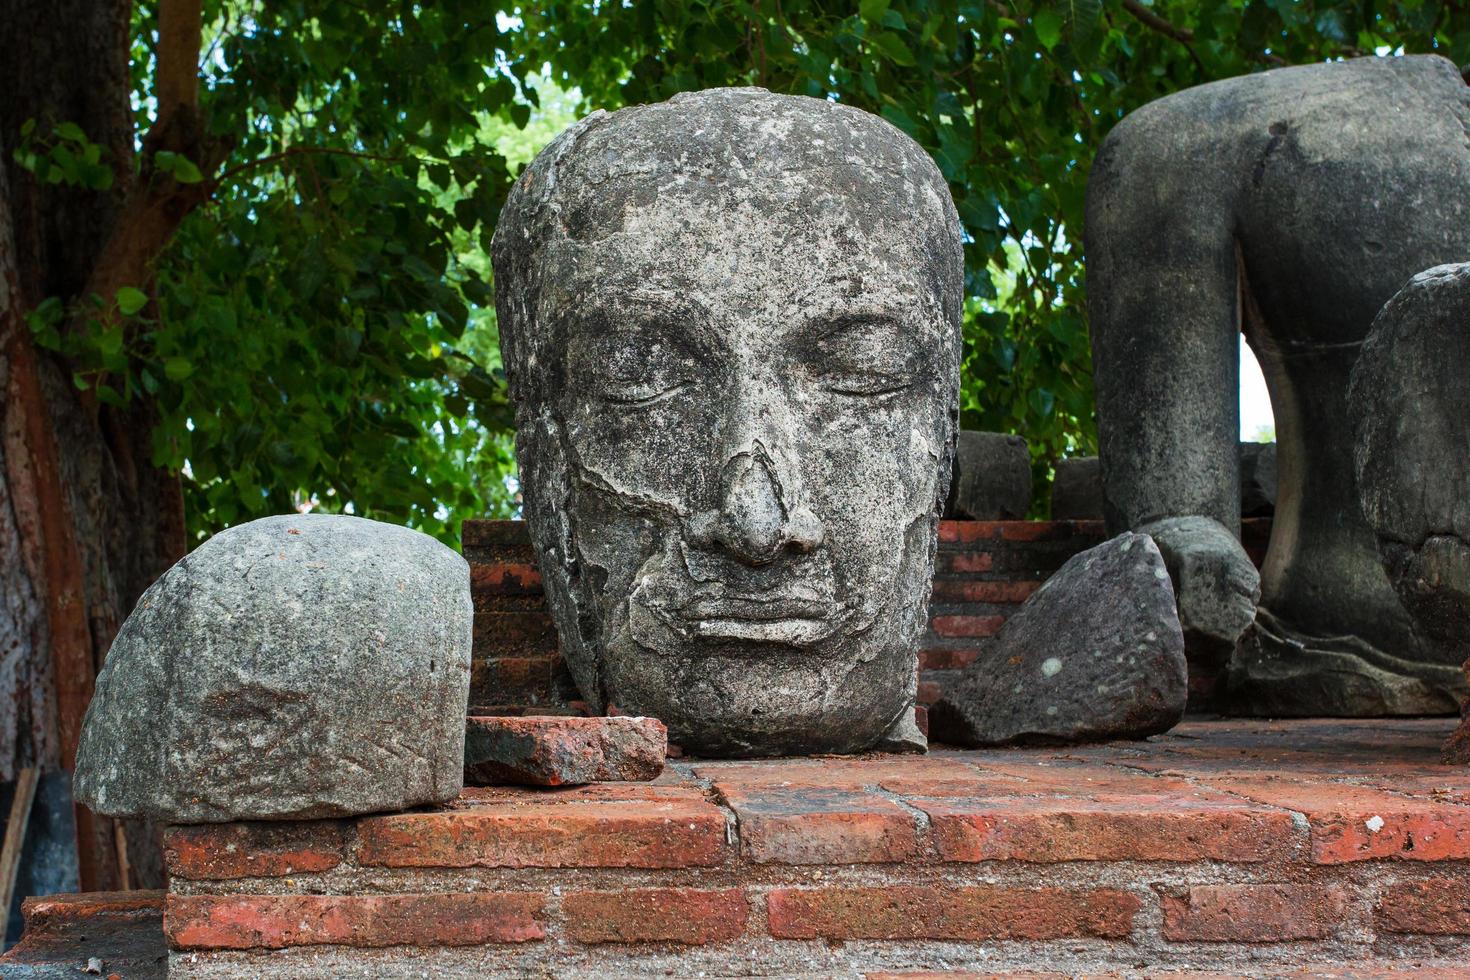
940, 658
1048, 829
1358, 823
196, 922
964, 913
970, 590
246, 850
561, 751
1252, 913
822, 826
1050, 531
963, 562
676, 832
930, 689
505, 578
846, 773
953, 532
519, 633
691, 916
966, 626
515, 680
1434, 907
480, 533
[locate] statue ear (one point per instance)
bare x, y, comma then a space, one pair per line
546, 476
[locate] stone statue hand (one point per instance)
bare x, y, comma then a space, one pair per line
1215, 584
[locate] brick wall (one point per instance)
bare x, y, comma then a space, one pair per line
983, 571
1254, 848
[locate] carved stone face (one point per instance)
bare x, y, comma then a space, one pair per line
731, 325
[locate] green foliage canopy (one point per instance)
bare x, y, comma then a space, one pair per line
323, 332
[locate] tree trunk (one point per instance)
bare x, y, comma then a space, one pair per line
86, 521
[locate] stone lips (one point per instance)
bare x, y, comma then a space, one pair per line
672, 283
1095, 653
292, 667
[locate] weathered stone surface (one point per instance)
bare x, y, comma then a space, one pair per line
1410, 406
1304, 191
537, 750
731, 328
295, 666
1076, 489
1095, 653
992, 478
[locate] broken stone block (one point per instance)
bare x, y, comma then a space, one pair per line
1096, 653
293, 667
992, 478
559, 751
1076, 489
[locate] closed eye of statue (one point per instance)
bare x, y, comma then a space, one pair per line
866, 357
637, 371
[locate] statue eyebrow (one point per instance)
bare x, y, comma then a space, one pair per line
638, 310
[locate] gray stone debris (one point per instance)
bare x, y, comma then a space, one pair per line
1292, 204
1077, 486
1410, 408
731, 327
992, 478
1096, 653
294, 667
1076, 489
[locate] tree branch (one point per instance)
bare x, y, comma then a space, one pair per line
299, 151
1154, 22
180, 36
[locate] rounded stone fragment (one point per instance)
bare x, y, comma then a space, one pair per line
1410, 406
992, 478
1096, 653
293, 667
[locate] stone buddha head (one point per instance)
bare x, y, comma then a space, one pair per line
731, 328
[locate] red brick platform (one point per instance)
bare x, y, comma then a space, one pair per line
1252, 848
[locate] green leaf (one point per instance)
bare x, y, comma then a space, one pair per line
130, 300
1048, 28
71, 131
893, 47
177, 368
872, 10
186, 171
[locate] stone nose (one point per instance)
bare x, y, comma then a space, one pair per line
755, 522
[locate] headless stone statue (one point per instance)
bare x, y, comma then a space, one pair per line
731, 327
1291, 204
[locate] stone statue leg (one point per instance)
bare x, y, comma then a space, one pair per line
1163, 305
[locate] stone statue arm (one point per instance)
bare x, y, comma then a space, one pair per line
1164, 309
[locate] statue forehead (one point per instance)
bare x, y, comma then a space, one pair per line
799, 162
